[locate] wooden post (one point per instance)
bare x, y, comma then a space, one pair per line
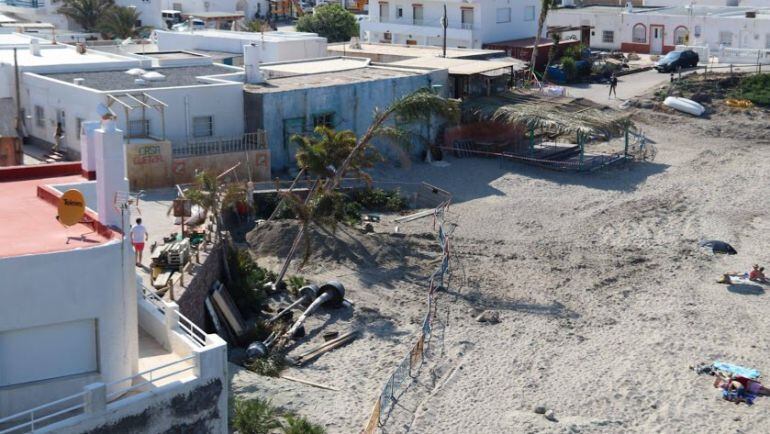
531, 141
625, 151
582, 149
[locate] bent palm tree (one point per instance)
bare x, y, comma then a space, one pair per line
86, 13
121, 22
356, 155
545, 7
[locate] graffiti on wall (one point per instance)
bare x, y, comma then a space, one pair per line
148, 154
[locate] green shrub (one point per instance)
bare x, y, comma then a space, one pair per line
248, 279
755, 88
272, 366
299, 425
569, 67
295, 283
574, 51
255, 416
377, 199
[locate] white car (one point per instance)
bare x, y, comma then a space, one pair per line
184, 26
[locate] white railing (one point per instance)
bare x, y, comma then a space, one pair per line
221, 145
192, 331
744, 55
29, 421
33, 422
149, 373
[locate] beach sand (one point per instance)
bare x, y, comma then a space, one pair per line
604, 297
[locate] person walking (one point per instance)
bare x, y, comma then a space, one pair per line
57, 136
613, 85
138, 237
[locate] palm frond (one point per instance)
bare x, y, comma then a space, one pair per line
423, 103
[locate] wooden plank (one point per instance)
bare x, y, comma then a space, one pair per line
309, 383
218, 326
231, 313
414, 216
325, 348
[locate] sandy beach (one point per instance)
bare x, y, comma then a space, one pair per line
604, 297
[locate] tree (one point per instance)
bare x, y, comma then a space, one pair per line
555, 39
86, 13
331, 21
419, 105
121, 22
545, 7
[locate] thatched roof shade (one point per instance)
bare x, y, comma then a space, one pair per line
549, 114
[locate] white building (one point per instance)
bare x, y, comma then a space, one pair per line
659, 30
470, 24
184, 97
82, 347
274, 46
150, 10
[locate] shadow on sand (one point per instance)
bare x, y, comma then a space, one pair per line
746, 289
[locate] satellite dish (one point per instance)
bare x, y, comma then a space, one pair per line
72, 207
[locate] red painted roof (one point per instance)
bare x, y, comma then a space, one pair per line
28, 222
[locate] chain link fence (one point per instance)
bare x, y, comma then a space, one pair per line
422, 349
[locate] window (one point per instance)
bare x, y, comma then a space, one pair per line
681, 36
529, 13
767, 41
39, 116
726, 38
61, 118
697, 32
384, 12
79, 125
467, 18
76, 339
608, 36
417, 14
503, 15
640, 34
203, 126
387, 37
139, 128
399, 12
324, 119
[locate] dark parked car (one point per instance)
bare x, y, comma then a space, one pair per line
677, 59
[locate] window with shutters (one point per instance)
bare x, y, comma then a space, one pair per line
417, 15
203, 126
640, 34
139, 128
608, 36
726, 38
324, 119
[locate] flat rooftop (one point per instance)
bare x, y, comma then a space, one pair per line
409, 50
695, 10
119, 80
362, 74
463, 66
29, 222
314, 66
59, 55
173, 55
252, 36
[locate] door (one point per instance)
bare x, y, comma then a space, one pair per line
656, 39
291, 127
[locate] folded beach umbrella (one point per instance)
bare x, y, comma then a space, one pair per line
719, 247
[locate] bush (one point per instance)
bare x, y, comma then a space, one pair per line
377, 199
255, 416
248, 279
569, 67
269, 367
574, 51
300, 425
755, 88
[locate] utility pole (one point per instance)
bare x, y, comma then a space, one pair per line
444, 25
19, 132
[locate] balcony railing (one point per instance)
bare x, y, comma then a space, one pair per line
222, 145
34, 4
421, 23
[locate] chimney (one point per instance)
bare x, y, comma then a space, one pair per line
87, 151
34, 46
110, 171
78, 81
252, 55
630, 6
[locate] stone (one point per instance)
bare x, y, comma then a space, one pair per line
540, 409
550, 415
368, 228
489, 316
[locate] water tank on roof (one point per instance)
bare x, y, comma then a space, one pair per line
136, 71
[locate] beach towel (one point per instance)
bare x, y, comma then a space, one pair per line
736, 370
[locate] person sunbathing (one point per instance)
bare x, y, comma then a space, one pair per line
757, 274
735, 389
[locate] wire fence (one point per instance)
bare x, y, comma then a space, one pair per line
409, 367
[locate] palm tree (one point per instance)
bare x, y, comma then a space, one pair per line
545, 7
333, 155
121, 22
87, 13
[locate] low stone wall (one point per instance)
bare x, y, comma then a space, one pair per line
198, 281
